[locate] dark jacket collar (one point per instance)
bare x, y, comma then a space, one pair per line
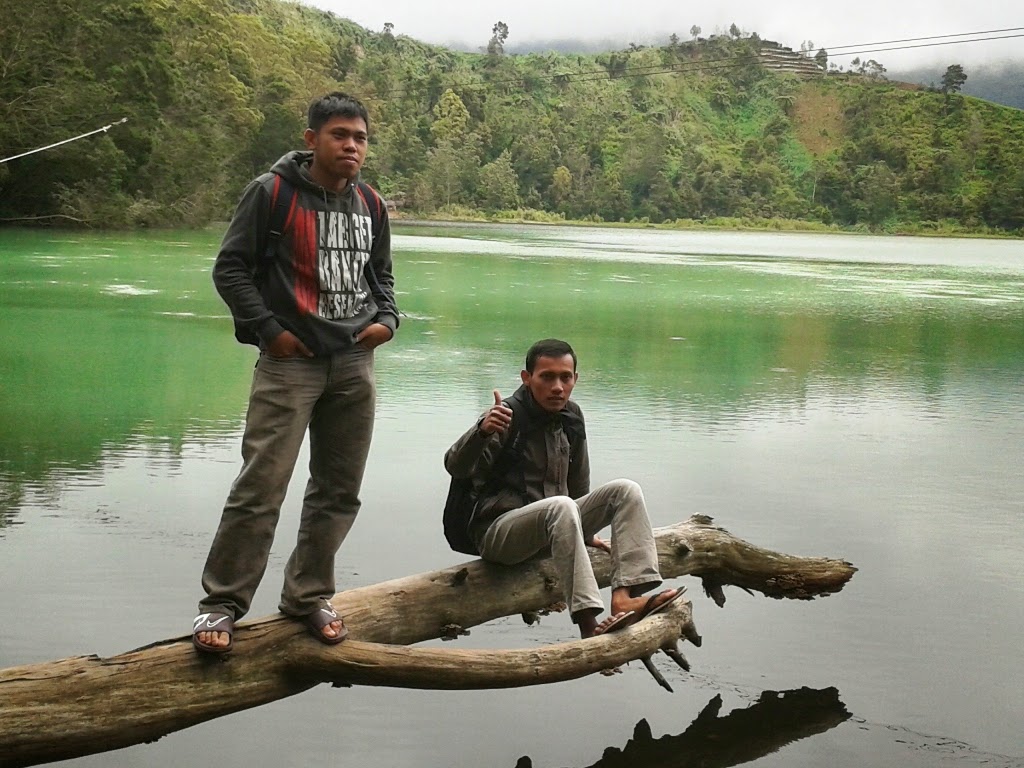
538, 417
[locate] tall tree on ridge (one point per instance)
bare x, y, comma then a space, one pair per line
953, 79
496, 45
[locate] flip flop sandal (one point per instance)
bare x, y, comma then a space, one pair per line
320, 618
213, 622
650, 608
620, 622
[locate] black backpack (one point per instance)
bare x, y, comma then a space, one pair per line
460, 506
282, 209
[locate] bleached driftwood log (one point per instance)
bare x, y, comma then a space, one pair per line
87, 704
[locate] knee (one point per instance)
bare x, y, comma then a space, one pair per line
628, 490
564, 514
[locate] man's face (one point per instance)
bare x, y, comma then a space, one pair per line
551, 382
339, 147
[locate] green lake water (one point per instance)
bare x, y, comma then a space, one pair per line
846, 396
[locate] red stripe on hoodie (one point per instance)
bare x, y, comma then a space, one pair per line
304, 268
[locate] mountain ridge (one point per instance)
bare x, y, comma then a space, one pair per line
692, 132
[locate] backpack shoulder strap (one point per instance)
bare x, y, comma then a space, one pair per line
373, 204
282, 211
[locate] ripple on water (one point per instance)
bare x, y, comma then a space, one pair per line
121, 289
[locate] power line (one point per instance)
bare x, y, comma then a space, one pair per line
930, 37
104, 129
930, 45
710, 65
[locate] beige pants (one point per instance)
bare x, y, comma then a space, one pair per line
562, 525
334, 398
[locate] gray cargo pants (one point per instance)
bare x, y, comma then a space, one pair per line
334, 397
563, 525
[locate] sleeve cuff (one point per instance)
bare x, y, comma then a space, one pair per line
388, 320
269, 330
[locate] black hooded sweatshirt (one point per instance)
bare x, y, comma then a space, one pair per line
328, 277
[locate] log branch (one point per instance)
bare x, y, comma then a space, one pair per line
83, 705
357, 663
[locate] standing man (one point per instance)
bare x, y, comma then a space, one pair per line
529, 468
305, 268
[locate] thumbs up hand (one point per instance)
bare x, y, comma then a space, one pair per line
497, 418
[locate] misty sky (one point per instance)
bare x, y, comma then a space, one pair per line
467, 23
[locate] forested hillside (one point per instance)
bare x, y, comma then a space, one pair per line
215, 90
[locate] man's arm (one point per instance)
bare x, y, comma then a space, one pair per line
381, 279
479, 446
240, 253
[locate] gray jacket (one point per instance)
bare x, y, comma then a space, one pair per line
548, 467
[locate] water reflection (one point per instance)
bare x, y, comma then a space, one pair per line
773, 721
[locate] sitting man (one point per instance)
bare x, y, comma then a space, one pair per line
529, 469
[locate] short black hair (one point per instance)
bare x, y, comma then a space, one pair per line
336, 104
555, 348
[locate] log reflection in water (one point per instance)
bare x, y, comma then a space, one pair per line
773, 721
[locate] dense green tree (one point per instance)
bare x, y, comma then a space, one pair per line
441, 178
451, 118
1004, 204
877, 193
499, 184
953, 78
561, 185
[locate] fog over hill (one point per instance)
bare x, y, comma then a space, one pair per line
999, 82
572, 26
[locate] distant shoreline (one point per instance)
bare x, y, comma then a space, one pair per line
792, 226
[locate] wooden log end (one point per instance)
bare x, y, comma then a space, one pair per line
809, 584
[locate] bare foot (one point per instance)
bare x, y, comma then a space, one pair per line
326, 624
612, 622
332, 630
211, 632
623, 601
589, 626
216, 639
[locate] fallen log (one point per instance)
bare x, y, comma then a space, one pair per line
83, 705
